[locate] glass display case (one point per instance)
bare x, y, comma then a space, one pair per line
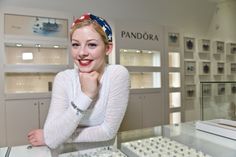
177, 140
144, 67
218, 100
28, 82
134, 57
35, 54
35, 49
141, 80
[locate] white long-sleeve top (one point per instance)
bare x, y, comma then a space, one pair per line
102, 117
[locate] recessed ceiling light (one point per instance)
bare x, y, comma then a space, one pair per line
56, 46
19, 45
37, 45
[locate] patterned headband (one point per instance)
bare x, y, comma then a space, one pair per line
100, 21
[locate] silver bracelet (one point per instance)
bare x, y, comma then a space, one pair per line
76, 108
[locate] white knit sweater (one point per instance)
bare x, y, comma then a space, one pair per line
103, 116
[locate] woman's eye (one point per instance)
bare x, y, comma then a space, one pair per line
92, 45
75, 45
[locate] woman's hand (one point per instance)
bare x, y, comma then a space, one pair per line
90, 83
36, 137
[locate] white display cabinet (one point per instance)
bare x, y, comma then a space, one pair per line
231, 48
35, 49
143, 66
190, 67
173, 39
218, 47
205, 68
204, 46
189, 44
174, 48
218, 68
145, 75
190, 91
189, 48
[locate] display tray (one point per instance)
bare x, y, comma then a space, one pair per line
221, 127
108, 151
159, 147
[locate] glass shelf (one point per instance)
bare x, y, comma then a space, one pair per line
35, 54
175, 117
141, 80
28, 82
174, 59
134, 57
174, 80
175, 99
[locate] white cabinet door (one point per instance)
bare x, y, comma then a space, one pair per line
133, 115
43, 111
153, 109
144, 110
21, 117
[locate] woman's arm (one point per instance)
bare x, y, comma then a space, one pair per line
116, 107
62, 118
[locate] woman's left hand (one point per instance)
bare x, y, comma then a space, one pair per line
36, 137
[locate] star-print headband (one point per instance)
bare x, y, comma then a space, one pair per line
100, 21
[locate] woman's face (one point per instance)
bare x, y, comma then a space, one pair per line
88, 50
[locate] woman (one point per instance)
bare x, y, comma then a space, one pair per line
88, 102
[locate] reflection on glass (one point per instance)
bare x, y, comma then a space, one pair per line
174, 59
175, 99
134, 57
145, 80
220, 103
35, 54
28, 82
175, 117
174, 79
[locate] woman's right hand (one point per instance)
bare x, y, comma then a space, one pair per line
90, 83
36, 138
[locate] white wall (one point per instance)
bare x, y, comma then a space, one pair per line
190, 15
223, 23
